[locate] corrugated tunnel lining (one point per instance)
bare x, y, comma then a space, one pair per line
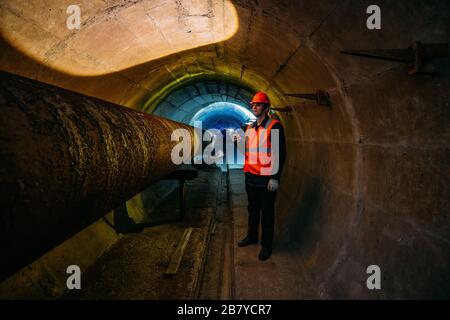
356, 166
185, 101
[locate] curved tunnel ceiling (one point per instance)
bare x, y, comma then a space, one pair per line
353, 169
185, 102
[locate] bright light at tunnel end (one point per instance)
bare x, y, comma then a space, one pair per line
229, 116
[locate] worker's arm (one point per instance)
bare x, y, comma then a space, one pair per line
237, 137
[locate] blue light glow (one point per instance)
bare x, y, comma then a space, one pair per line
223, 115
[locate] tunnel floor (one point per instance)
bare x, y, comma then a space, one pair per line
212, 266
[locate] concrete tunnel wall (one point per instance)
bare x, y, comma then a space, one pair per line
366, 181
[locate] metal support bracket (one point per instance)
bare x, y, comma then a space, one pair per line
182, 174
416, 55
286, 109
322, 98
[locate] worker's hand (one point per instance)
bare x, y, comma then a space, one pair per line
273, 185
215, 158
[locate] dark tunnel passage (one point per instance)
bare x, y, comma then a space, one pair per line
366, 180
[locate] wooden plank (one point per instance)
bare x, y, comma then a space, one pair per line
178, 255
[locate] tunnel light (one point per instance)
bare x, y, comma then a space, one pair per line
116, 38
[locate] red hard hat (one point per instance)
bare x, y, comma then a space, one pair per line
261, 97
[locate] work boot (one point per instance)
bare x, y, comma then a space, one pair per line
246, 241
265, 253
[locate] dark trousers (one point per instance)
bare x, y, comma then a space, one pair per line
261, 205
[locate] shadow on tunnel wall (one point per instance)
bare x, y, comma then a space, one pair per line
302, 218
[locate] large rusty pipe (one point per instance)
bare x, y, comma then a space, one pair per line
66, 160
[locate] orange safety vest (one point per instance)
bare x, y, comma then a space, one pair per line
258, 148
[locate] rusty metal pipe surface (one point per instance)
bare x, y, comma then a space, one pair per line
66, 160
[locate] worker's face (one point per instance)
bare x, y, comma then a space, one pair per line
259, 109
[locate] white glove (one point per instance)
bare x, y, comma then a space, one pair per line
273, 185
213, 159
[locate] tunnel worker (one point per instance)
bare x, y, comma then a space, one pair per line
262, 177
